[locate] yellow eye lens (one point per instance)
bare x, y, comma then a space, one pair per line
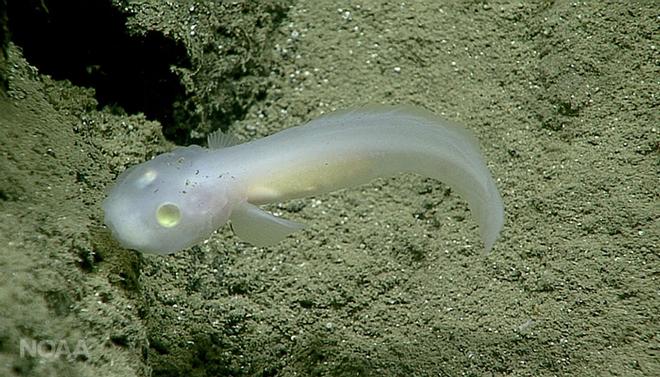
168, 215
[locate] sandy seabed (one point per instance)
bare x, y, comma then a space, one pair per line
388, 279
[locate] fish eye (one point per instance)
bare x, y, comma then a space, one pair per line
168, 215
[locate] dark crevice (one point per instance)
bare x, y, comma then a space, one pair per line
86, 42
4, 43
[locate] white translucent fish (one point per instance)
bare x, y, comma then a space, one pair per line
179, 198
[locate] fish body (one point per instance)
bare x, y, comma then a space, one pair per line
179, 198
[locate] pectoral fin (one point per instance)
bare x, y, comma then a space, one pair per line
260, 228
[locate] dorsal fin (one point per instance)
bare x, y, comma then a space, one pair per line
219, 139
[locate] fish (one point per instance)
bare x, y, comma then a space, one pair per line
179, 198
